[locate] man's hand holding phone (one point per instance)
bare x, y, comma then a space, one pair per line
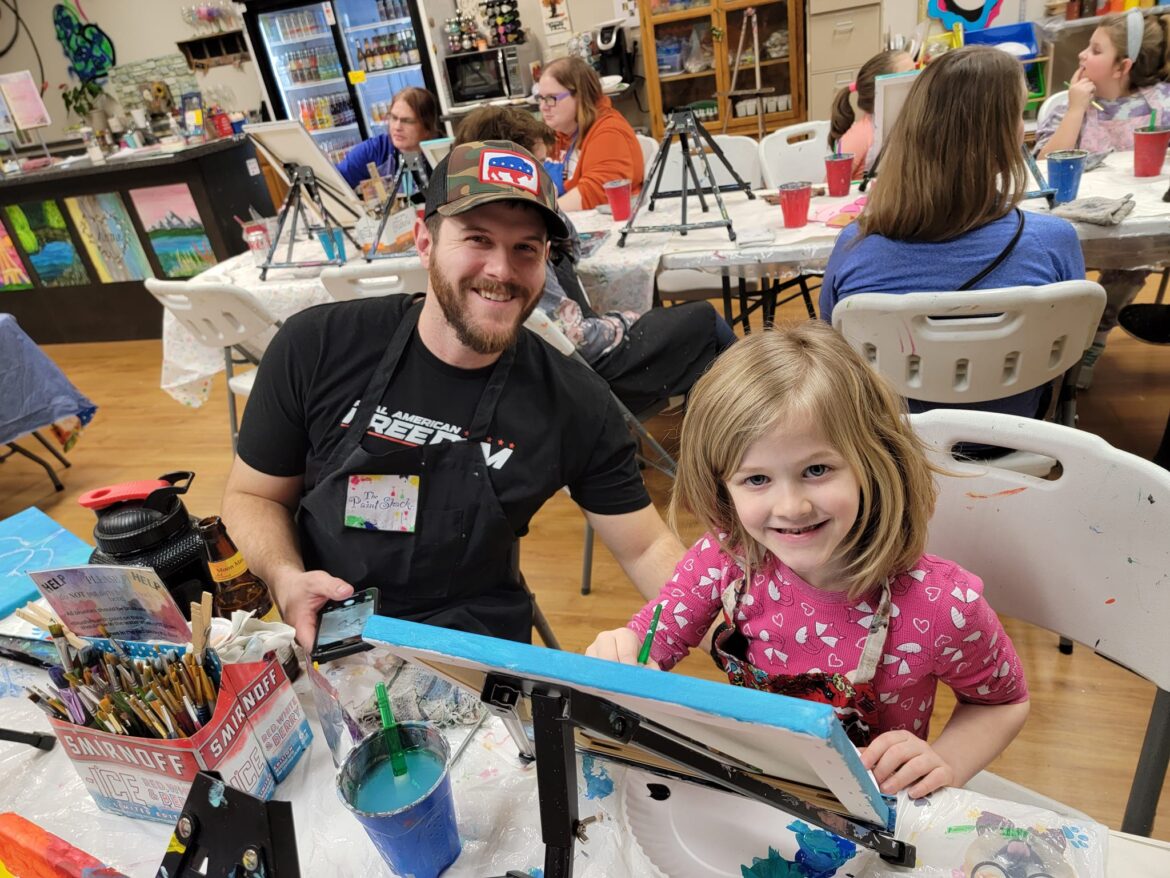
301, 594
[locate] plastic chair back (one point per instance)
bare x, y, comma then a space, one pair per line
1050, 103
973, 346
795, 153
1085, 555
382, 277
742, 153
649, 149
218, 315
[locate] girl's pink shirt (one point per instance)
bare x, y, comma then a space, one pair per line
857, 140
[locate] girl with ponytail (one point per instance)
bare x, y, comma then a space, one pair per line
853, 132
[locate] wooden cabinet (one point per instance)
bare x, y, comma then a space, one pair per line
689, 54
842, 36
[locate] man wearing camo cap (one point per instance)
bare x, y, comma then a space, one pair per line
466, 424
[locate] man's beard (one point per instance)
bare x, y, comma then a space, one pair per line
452, 303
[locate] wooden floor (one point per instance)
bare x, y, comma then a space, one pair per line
1088, 716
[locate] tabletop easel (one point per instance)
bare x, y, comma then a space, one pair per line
759, 90
412, 164
304, 186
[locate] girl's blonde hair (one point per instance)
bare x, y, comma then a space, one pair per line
584, 84
842, 115
1152, 63
807, 370
954, 161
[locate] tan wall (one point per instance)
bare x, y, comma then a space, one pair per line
139, 29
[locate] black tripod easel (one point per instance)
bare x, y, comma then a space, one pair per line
303, 184
690, 133
559, 710
412, 164
1045, 191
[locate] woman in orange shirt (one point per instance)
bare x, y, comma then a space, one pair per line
595, 144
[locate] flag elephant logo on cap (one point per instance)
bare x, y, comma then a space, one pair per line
501, 166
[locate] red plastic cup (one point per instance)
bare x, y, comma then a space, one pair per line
1149, 151
618, 193
838, 173
794, 202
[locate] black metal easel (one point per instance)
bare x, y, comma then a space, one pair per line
690, 132
303, 184
14, 448
413, 164
1045, 191
223, 832
558, 710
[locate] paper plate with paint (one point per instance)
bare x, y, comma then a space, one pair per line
692, 831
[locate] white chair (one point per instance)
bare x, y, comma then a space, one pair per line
539, 323
1107, 517
1049, 104
382, 277
649, 149
220, 315
742, 153
795, 153
977, 345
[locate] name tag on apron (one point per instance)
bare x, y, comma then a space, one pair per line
382, 502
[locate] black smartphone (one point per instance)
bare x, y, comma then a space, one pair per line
340, 624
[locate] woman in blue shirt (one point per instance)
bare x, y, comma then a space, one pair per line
414, 117
945, 203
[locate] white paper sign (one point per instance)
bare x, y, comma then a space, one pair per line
382, 502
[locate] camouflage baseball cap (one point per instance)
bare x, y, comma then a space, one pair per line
481, 172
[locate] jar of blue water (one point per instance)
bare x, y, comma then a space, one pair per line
411, 818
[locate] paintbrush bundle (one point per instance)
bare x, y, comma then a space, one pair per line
167, 697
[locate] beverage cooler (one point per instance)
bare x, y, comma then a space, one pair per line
336, 65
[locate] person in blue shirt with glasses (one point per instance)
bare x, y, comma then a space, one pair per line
414, 117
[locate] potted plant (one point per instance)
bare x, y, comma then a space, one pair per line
83, 101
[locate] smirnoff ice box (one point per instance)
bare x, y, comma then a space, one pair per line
254, 738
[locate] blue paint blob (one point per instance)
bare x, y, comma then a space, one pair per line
598, 783
775, 866
215, 794
821, 853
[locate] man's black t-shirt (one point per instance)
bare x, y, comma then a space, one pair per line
556, 423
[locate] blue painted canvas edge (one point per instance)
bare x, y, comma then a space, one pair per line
720, 700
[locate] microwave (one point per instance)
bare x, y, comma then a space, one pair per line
501, 72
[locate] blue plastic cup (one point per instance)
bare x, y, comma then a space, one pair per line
419, 838
1065, 167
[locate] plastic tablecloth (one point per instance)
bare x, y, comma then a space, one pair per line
496, 801
34, 392
1142, 240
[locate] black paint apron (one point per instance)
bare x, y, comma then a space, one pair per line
457, 569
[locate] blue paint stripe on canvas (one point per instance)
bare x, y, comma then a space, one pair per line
717, 699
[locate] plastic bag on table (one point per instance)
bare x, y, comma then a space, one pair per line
958, 831
344, 694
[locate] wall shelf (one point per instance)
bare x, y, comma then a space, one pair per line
215, 50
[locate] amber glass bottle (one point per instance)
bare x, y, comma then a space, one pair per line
236, 587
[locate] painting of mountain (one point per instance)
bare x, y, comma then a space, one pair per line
40, 229
108, 236
171, 219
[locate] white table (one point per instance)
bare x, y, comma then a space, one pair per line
495, 797
1142, 240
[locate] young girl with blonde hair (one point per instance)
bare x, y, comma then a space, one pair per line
851, 132
815, 497
1119, 83
943, 214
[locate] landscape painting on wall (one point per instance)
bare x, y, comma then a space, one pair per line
12, 272
171, 220
41, 231
108, 235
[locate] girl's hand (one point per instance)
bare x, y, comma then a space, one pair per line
901, 758
619, 645
1080, 91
